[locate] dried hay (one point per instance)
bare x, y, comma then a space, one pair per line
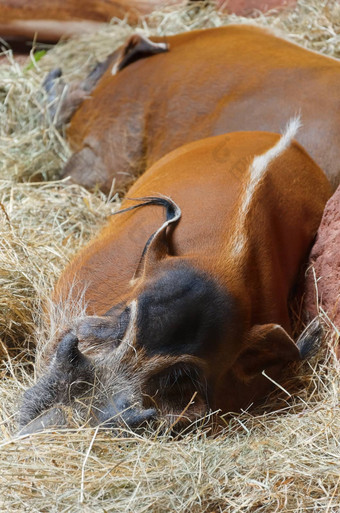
270, 462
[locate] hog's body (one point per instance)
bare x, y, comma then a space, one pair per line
208, 83
185, 312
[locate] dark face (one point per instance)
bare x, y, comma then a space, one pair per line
151, 357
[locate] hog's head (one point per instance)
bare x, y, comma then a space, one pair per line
145, 358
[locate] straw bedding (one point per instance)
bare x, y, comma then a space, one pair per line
263, 462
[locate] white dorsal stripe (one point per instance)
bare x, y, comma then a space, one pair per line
260, 163
257, 170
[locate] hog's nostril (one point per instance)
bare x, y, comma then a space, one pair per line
132, 417
136, 418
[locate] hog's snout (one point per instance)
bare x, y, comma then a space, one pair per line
69, 375
121, 412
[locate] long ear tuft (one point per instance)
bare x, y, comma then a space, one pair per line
157, 246
309, 341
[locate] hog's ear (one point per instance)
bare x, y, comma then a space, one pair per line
267, 345
137, 47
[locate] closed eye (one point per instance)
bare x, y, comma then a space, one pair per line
177, 384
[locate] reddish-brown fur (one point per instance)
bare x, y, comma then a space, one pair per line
20, 19
207, 180
210, 82
52, 20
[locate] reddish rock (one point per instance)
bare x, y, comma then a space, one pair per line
21, 59
249, 7
325, 260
